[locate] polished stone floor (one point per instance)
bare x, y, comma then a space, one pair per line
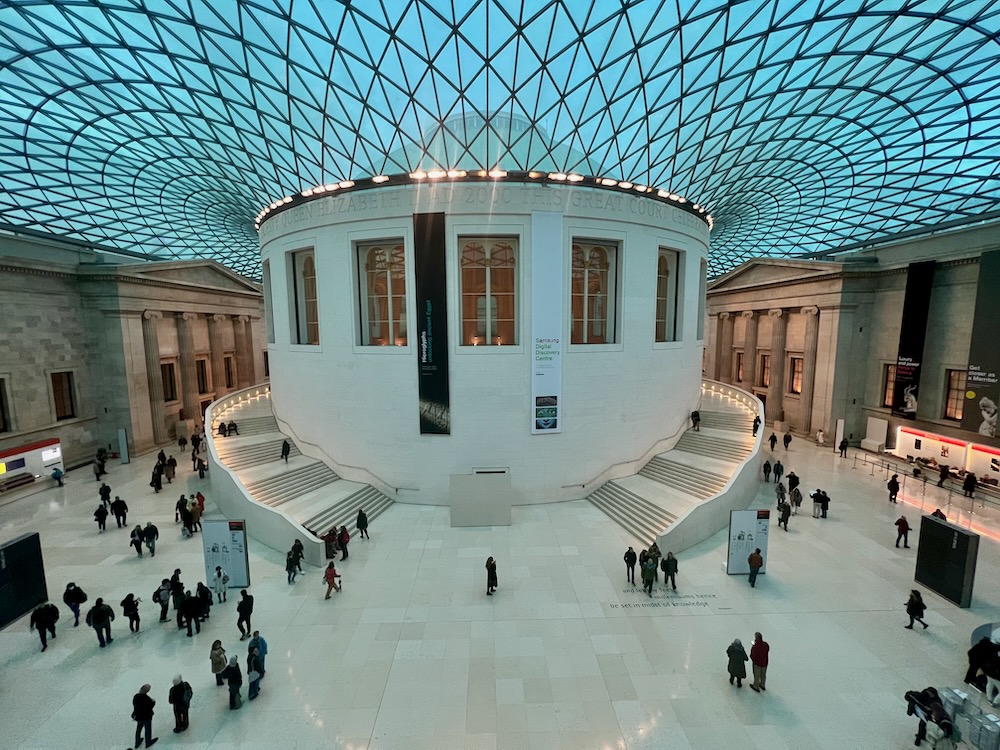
413, 655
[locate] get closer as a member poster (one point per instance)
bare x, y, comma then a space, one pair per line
982, 384
747, 532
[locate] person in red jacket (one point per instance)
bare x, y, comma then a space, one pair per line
758, 657
904, 531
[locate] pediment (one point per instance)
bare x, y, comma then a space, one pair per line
772, 271
202, 273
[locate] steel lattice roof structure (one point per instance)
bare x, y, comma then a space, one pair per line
164, 126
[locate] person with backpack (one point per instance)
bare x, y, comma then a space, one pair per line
73, 597
99, 618
162, 597
180, 698
696, 421
43, 619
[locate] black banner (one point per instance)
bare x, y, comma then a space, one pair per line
432, 323
912, 331
982, 393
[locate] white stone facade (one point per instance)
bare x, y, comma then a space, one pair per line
358, 404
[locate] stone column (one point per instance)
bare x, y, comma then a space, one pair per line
750, 350
809, 366
726, 324
251, 353
189, 374
217, 349
240, 336
776, 390
154, 376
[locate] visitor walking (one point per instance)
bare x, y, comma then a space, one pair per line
759, 658
135, 539
787, 440
756, 425
669, 566
298, 552
330, 577
773, 440
737, 662
784, 512
101, 516
170, 469
162, 597
696, 421
73, 597
290, 568
130, 608
843, 448
99, 618
142, 712
105, 494
342, 539
120, 510
795, 500
915, 608
779, 493
648, 575
893, 486
149, 535
43, 620
766, 468
362, 525
244, 609
756, 562
779, 470
903, 531
286, 449
180, 698
630, 558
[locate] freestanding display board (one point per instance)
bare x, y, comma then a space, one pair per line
22, 577
946, 559
225, 544
747, 532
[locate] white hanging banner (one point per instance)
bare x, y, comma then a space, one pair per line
547, 254
225, 545
747, 532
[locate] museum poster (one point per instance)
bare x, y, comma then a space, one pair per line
546, 322
912, 330
225, 545
982, 396
747, 532
432, 323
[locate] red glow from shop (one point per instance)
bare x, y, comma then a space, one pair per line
932, 436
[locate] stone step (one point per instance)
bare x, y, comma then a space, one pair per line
345, 512
241, 456
635, 514
692, 480
247, 426
281, 488
710, 445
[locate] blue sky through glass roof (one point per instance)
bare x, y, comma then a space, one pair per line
801, 126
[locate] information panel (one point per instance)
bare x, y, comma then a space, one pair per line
912, 332
431, 294
747, 532
546, 322
225, 545
982, 395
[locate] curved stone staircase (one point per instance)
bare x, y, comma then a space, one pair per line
304, 489
697, 468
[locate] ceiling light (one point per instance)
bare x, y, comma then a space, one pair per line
557, 175
346, 183
418, 175
607, 182
575, 177
497, 173
453, 173
436, 174
332, 187
625, 185
380, 178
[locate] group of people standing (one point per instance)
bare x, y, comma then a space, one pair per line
649, 560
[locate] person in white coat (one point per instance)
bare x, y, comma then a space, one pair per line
220, 583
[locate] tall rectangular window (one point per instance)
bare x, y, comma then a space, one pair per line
227, 362
306, 307
667, 294
268, 308
169, 376
267, 365
739, 367
795, 366
955, 395
702, 293
489, 290
201, 370
6, 422
63, 395
382, 286
888, 384
593, 298
764, 371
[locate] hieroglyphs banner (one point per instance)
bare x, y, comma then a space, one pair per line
547, 254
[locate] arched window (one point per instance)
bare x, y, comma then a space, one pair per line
383, 293
592, 301
489, 291
306, 298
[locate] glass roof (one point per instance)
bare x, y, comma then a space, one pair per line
165, 126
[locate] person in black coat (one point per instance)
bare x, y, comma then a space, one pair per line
943, 474
491, 576
105, 493
190, 612
73, 597
234, 677
43, 619
286, 449
101, 516
630, 560
177, 595
99, 618
979, 654
793, 480
915, 609
787, 440
756, 425
204, 596
120, 510
130, 608
142, 712
180, 698
969, 484
156, 479
893, 486
843, 448
244, 609
767, 471
773, 440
